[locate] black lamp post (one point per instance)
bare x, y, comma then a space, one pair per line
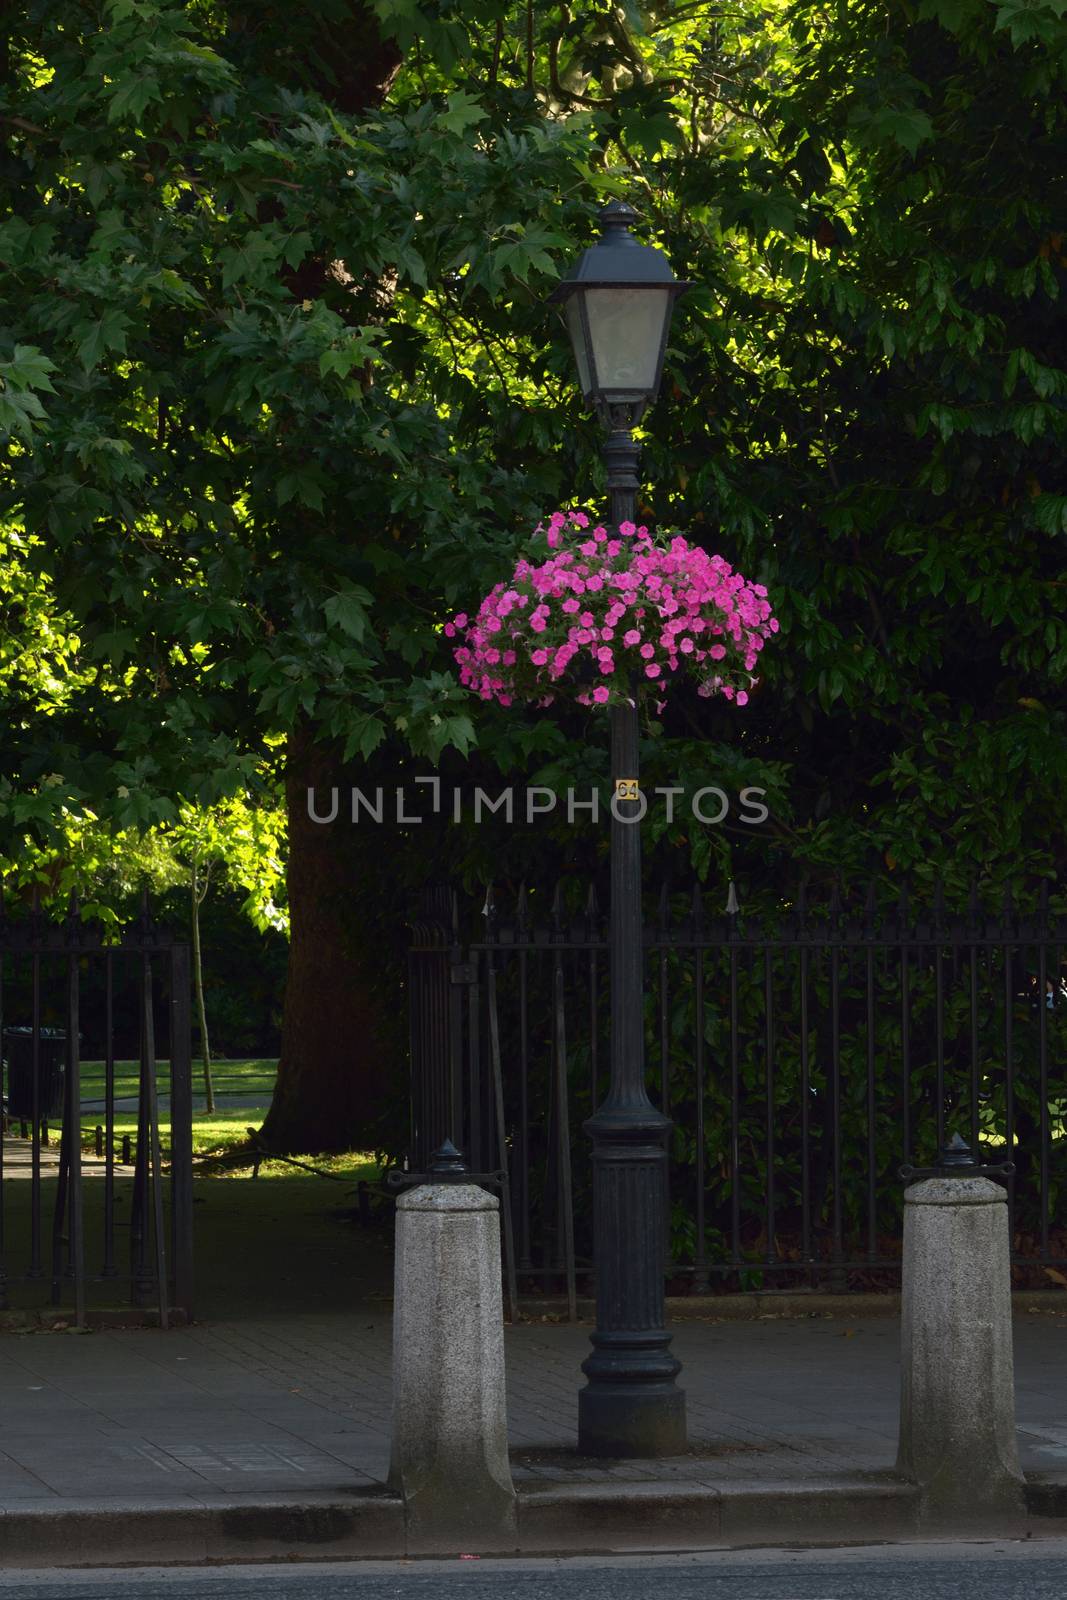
618, 302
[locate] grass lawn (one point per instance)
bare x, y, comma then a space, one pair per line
214, 1133
221, 1133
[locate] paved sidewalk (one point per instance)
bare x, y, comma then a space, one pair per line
292, 1406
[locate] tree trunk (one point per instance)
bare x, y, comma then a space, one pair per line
332, 1076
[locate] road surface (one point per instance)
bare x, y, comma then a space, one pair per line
1010, 1570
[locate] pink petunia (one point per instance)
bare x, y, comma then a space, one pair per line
601, 694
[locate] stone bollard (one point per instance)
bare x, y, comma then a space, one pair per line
450, 1442
957, 1398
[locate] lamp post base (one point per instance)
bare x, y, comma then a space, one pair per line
632, 1419
630, 1405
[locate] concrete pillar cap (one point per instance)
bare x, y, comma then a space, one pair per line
955, 1192
448, 1197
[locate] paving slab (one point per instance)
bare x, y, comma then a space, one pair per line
792, 1422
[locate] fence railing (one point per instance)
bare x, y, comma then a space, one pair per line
89, 1213
804, 1059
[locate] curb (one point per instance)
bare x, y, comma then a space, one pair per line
785, 1303
553, 1518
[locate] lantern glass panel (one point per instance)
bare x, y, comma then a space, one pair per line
626, 327
576, 329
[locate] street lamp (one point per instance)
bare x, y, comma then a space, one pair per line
617, 303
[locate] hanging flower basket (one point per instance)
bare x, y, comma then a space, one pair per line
597, 615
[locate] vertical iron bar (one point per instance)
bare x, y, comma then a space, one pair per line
939, 1025
735, 1116
457, 1073
475, 1057
905, 1053
771, 1253
665, 1085
1042, 1060
109, 1268
805, 1115
156, 1156
35, 1107
501, 1138
975, 1065
181, 1130
563, 1126
872, 1149
3, 1128
140, 1284
74, 1143
60, 1207
701, 1282
838, 1248
594, 1074
525, 1257
1009, 1080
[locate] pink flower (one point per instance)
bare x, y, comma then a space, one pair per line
679, 606
601, 694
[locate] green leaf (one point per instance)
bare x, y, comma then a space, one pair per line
131, 98
348, 611
1050, 513
463, 112
95, 338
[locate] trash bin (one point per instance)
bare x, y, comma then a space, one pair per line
52, 1066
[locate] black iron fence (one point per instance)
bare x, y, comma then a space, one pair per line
804, 1059
94, 1207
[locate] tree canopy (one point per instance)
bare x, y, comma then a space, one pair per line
281, 394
